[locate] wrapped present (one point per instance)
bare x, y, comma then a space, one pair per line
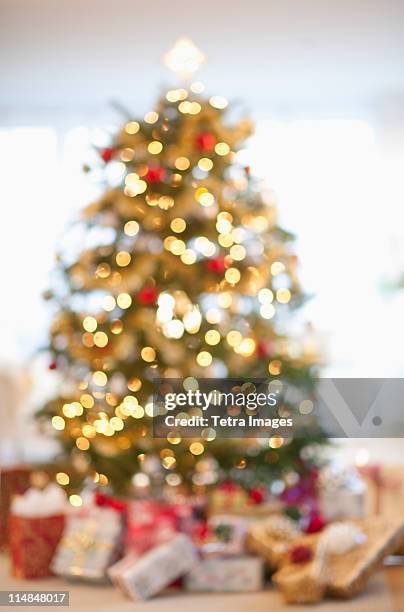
385, 484
192, 513
116, 571
298, 584
349, 567
36, 526
228, 497
150, 523
90, 544
231, 498
148, 575
231, 575
342, 493
345, 556
272, 537
14, 480
226, 535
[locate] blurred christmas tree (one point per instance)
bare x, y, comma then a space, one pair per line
193, 278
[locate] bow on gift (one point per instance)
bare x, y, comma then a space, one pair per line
337, 539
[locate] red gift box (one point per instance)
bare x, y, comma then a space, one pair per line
149, 524
13, 481
33, 542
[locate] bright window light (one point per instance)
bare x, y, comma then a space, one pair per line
337, 189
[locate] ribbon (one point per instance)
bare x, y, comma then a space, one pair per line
106, 501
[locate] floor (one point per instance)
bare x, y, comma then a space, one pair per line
384, 592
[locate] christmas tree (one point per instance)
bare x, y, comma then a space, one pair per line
188, 275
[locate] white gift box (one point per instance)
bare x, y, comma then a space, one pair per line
342, 494
228, 536
227, 575
148, 575
89, 545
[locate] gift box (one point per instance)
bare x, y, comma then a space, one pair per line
385, 488
230, 498
150, 523
146, 576
344, 557
342, 493
271, 538
231, 575
226, 535
90, 544
116, 571
36, 524
227, 498
14, 480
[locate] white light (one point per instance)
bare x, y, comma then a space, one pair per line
192, 321
174, 329
166, 301
362, 457
184, 58
163, 315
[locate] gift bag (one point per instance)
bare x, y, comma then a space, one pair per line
36, 526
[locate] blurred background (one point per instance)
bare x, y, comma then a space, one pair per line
324, 83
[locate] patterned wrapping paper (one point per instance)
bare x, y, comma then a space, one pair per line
33, 542
232, 575
226, 536
89, 545
149, 574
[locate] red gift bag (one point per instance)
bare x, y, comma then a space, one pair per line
33, 542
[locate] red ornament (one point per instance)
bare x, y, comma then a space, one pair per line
264, 348
216, 265
229, 486
257, 495
205, 141
107, 154
316, 523
300, 553
53, 365
155, 175
148, 296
